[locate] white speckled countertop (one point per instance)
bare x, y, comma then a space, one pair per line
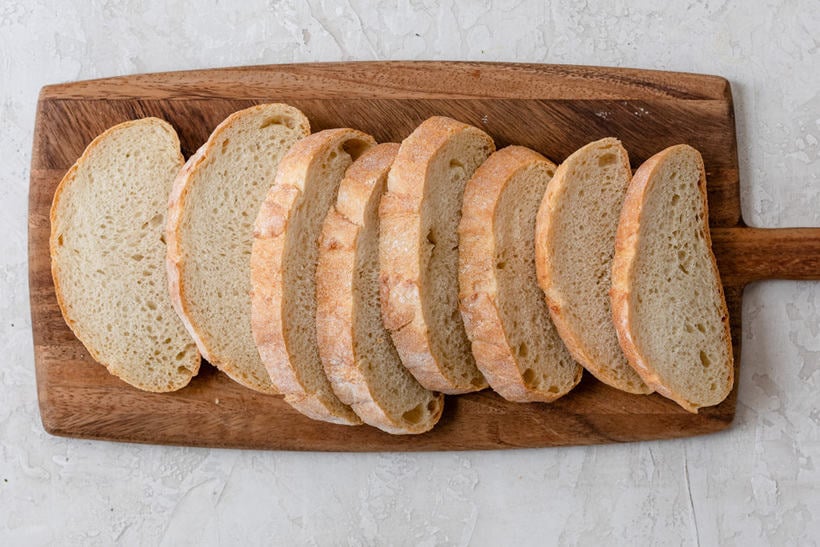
757, 483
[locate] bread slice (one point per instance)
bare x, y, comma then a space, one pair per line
214, 201
418, 252
357, 353
667, 299
575, 242
107, 255
283, 269
514, 341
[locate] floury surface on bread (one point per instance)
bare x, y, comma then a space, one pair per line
418, 252
283, 269
357, 352
514, 341
667, 297
574, 246
107, 256
210, 224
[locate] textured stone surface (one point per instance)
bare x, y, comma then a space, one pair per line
758, 483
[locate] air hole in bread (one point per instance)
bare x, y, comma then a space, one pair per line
704, 359
431, 237
606, 159
414, 415
528, 376
455, 164
60, 240
137, 257
523, 350
501, 265
675, 199
225, 144
151, 305
700, 327
277, 120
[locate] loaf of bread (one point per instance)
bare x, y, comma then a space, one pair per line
514, 341
357, 353
108, 252
283, 269
418, 252
667, 299
574, 246
210, 224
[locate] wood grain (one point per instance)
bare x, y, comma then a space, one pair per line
553, 109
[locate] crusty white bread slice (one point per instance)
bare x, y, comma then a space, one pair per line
574, 245
418, 252
514, 341
667, 298
357, 353
108, 252
283, 269
210, 224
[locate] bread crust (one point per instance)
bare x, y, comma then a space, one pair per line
66, 181
175, 258
555, 301
400, 249
335, 316
268, 270
478, 285
626, 244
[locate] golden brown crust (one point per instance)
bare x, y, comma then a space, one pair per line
335, 314
67, 179
400, 249
555, 301
267, 273
478, 291
626, 245
175, 261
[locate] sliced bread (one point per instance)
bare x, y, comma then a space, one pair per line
210, 224
107, 256
574, 246
357, 353
667, 299
283, 269
514, 341
418, 252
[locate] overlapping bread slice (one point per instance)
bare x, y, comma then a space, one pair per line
418, 252
574, 246
108, 253
283, 269
210, 225
357, 353
667, 299
514, 341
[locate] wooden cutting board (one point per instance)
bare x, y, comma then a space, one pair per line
552, 109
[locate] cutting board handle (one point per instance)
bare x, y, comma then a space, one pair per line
746, 254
